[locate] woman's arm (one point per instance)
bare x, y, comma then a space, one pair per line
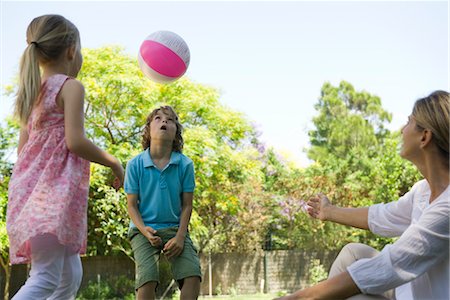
340, 286
321, 208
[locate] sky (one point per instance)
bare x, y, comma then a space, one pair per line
268, 59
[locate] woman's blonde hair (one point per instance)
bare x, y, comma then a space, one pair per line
432, 113
47, 37
177, 142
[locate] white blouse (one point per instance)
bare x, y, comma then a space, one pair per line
421, 254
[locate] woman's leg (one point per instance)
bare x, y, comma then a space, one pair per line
47, 261
348, 255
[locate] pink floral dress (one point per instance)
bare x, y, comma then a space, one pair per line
49, 185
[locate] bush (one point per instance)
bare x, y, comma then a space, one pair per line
117, 288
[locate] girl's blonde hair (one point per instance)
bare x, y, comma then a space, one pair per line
47, 37
178, 141
432, 113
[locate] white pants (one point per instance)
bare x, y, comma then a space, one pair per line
55, 271
348, 255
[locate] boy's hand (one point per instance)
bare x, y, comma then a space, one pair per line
150, 234
174, 247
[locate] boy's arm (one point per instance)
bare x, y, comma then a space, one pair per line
186, 211
135, 215
175, 246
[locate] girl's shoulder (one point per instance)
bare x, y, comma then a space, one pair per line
73, 84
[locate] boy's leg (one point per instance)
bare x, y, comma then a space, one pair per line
185, 267
147, 265
147, 291
190, 288
47, 260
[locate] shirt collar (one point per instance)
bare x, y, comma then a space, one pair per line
174, 159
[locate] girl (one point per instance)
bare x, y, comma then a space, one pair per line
48, 190
417, 264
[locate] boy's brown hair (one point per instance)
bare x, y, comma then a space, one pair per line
178, 142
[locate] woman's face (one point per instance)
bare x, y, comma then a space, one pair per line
411, 137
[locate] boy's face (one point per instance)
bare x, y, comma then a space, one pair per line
163, 127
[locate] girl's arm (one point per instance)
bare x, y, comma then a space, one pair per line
72, 94
23, 138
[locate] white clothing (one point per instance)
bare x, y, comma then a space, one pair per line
421, 254
55, 273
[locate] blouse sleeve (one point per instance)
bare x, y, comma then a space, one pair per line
423, 245
393, 218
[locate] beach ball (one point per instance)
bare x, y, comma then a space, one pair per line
164, 56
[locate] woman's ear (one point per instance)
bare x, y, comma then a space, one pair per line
427, 135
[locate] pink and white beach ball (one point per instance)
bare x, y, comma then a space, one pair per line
164, 56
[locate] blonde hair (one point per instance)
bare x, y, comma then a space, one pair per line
47, 37
432, 113
168, 110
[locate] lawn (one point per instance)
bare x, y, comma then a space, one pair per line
241, 297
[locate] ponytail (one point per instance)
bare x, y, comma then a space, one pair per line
29, 83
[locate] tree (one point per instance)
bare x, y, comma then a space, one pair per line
8, 140
347, 119
220, 141
355, 164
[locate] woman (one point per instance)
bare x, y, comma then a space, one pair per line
417, 264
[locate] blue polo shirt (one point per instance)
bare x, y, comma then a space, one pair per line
159, 191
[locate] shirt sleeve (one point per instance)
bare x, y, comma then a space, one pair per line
189, 178
393, 218
131, 182
421, 246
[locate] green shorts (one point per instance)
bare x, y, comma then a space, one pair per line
187, 264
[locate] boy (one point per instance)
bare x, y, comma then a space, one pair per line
159, 183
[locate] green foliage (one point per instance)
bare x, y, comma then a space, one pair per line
317, 272
114, 289
220, 141
246, 197
346, 119
8, 138
356, 164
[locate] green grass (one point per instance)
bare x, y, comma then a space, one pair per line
241, 297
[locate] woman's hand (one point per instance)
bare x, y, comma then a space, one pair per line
318, 207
